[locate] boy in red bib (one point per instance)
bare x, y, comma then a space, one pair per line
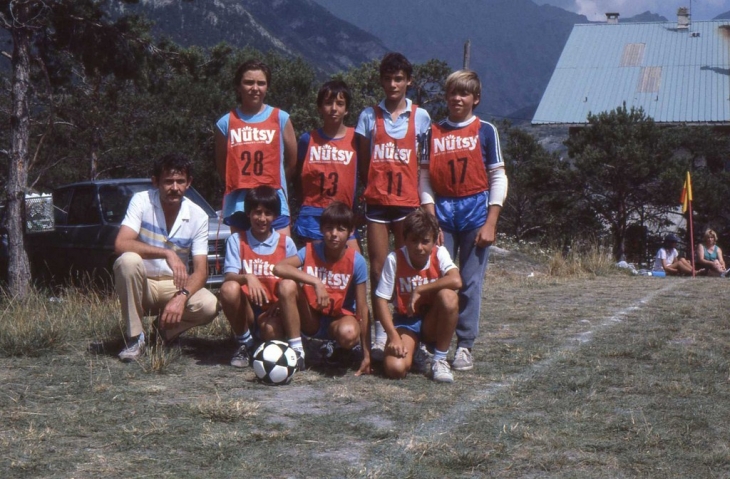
390, 137
421, 280
327, 297
467, 174
249, 293
327, 162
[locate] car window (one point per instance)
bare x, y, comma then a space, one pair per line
84, 208
61, 199
115, 200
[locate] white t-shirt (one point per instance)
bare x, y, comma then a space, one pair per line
386, 286
188, 236
663, 254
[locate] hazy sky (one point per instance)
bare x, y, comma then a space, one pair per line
595, 9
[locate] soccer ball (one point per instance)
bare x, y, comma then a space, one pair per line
274, 362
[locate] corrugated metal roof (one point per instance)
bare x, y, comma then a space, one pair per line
677, 76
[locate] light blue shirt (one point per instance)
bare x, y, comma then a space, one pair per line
233, 263
398, 128
234, 201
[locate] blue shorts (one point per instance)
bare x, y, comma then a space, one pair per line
324, 326
307, 227
387, 214
241, 221
462, 214
411, 323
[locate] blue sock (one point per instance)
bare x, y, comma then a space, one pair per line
439, 355
245, 338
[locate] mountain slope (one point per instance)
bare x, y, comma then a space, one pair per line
294, 27
515, 44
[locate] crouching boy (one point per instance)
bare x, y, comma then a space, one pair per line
326, 298
249, 292
421, 280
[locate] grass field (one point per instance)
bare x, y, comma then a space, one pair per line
577, 376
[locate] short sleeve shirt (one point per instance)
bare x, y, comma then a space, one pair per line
188, 236
386, 286
232, 263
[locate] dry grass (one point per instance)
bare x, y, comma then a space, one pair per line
581, 374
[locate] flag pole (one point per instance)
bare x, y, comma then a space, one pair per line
691, 239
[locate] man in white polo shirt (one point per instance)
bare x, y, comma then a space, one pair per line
160, 232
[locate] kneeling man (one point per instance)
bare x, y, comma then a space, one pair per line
160, 232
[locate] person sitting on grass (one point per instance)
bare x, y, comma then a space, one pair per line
248, 293
709, 255
422, 281
159, 233
668, 261
327, 297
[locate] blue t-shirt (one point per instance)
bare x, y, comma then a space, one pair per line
234, 201
398, 128
360, 273
233, 264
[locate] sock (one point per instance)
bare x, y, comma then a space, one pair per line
380, 332
439, 355
296, 344
246, 339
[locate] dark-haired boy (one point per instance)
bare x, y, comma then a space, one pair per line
389, 160
159, 233
249, 293
327, 297
421, 280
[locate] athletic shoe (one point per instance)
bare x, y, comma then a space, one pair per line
300, 358
463, 360
421, 359
327, 349
133, 351
377, 352
241, 358
441, 372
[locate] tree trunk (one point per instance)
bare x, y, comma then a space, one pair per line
18, 266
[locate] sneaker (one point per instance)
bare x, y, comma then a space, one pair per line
133, 351
463, 360
300, 359
441, 372
421, 359
377, 352
327, 349
242, 357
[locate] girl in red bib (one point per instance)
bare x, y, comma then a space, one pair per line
327, 161
255, 145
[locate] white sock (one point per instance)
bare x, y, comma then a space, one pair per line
296, 344
380, 332
439, 355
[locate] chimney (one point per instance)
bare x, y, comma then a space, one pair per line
683, 18
612, 18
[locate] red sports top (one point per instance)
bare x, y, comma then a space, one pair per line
262, 266
407, 278
329, 171
393, 172
456, 166
254, 153
336, 278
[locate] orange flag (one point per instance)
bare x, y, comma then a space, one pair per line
686, 197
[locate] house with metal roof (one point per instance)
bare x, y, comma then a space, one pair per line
678, 72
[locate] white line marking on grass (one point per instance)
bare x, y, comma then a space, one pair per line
460, 410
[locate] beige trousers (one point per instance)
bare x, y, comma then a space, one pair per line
142, 296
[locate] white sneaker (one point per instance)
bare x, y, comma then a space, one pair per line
463, 360
133, 351
441, 372
377, 351
421, 359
